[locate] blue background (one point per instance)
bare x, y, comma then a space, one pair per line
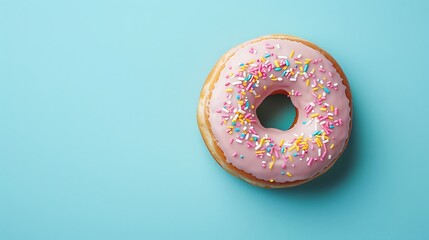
98, 132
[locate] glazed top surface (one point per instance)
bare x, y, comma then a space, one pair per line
316, 89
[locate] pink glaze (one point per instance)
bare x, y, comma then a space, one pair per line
239, 142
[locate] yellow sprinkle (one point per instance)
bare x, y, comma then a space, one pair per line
281, 142
271, 165
290, 158
253, 106
277, 63
259, 152
319, 143
332, 108
271, 180
265, 87
229, 90
332, 146
262, 141
320, 85
331, 118
292, 148
289, 174
314, 115
298, 62
307, 82
251, 61
291, 53
231, 74
319, 96
323, 109
262, 59
230, 127
301, 69
307, 60
272, 157
315, 89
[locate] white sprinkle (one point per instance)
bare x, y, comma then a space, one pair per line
319, 151
282, 57
277, 46
292, 79
238, 140
329, 156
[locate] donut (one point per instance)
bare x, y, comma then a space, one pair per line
238, 84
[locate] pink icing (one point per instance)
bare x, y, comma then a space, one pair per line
323, 113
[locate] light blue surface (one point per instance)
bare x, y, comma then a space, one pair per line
98, 133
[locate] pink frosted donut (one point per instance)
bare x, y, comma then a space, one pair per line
243, 78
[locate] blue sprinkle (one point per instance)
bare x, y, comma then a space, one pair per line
242, 64
295, 154
278, 69
267, 55
331, 127
287, 63
326, 90
241, 156
304, 122
233, 123
305, 67
282, 173
284, 73
242, 135
237, 129
238, 97
268, 149
316, 133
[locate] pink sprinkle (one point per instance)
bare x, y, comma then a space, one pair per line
330, 74
231, 141
284, 165
269, 46
336, 111
227, 84
234, 154
310, 162
276, 153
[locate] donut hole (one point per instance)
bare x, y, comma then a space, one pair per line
276, 111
